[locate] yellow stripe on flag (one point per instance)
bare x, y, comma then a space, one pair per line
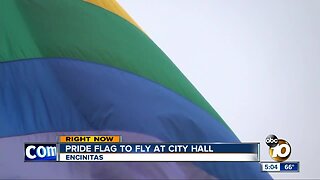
114, 7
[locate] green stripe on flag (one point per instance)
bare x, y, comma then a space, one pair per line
80, 30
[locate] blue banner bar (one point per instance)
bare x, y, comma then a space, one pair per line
159, 148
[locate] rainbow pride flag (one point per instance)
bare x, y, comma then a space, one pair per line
73, 67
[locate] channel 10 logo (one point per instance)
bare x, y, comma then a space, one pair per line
40, 152
279, 149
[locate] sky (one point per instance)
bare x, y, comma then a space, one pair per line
256, 62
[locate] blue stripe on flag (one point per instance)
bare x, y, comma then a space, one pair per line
52, 95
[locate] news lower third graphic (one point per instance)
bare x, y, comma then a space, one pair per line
111, 148
279, 151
